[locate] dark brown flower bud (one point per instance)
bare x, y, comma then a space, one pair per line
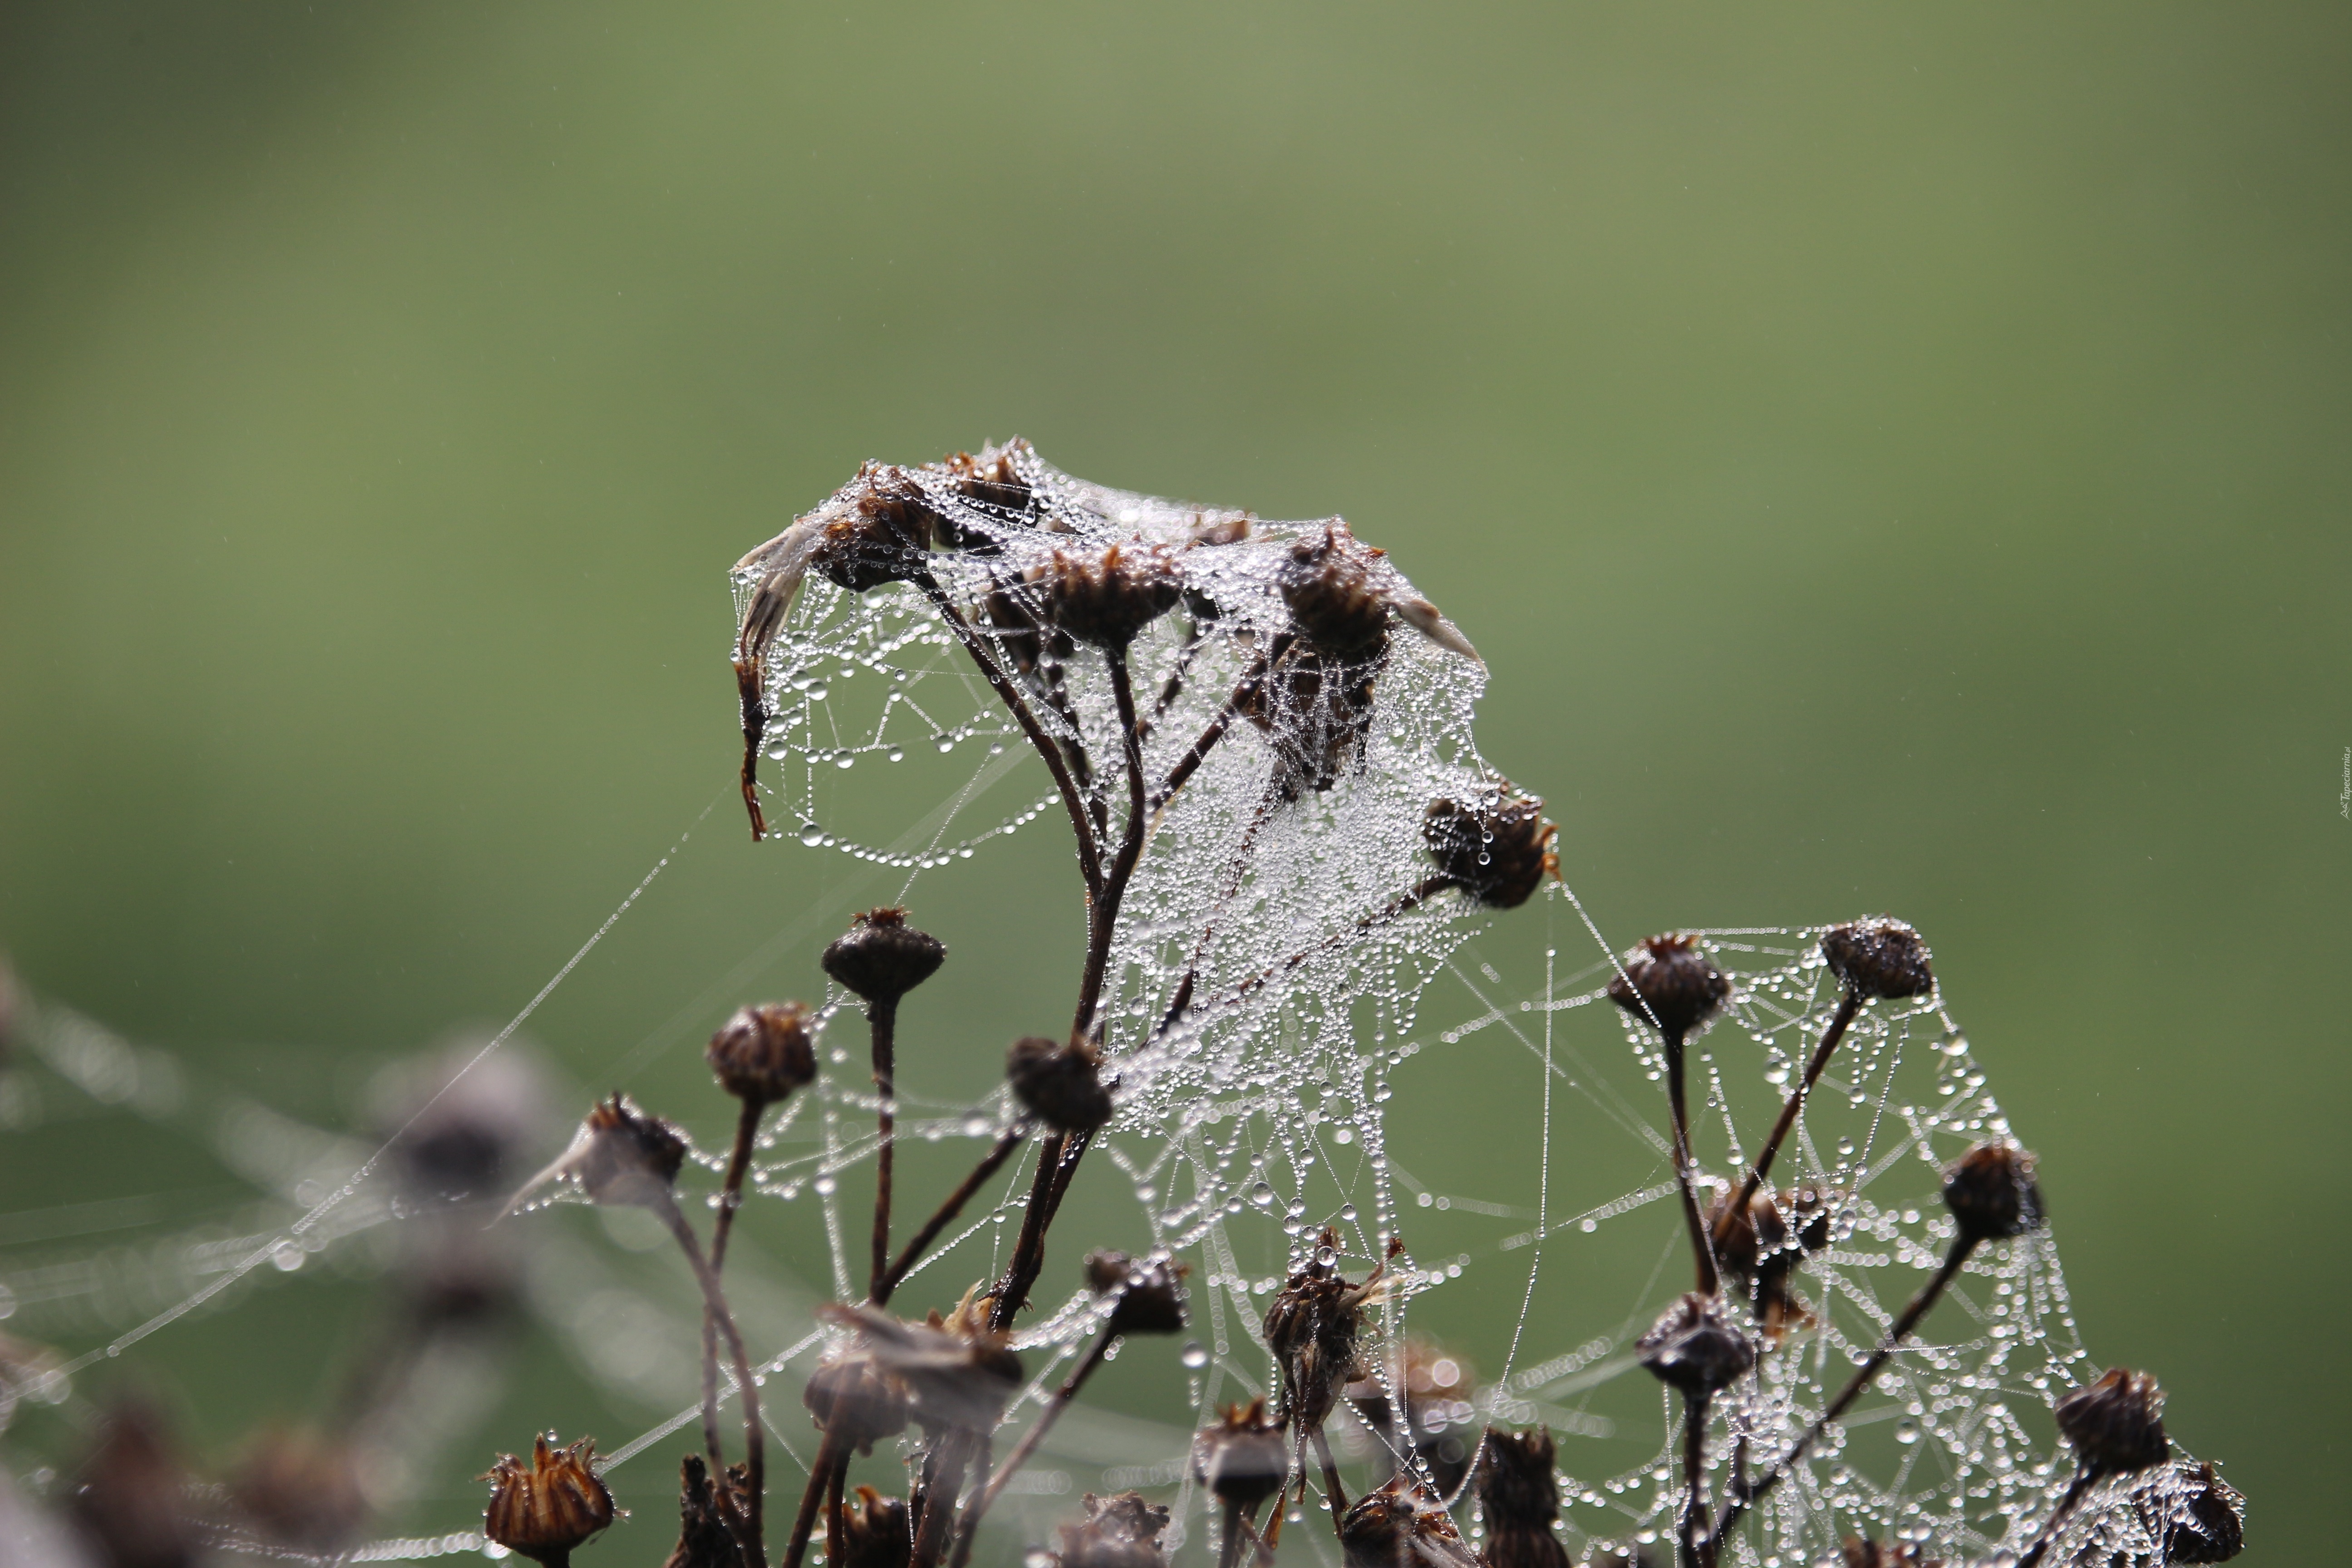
762, 1054
302, 1489
1121, 1532
1991, 1191
2115, 1423
1670, 982
1059, 1083
1744, 1241
2194, 1514
1243, 1458
1497, 848
881, 958
545, 1510
956, 1373
998, 481
1398, 1526
1879, 958
1151, 1291
1107, 599
1312, 1326
878, 529
857, 1396
705, 1539
129, 1496
1693, 1347
1520, 1495
625, 1157
1329, 584
875, 1532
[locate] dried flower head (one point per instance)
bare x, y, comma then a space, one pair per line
1521, 1494
2116, 1423
1242, 1458
1879, 958
2198, 1517
705, 1539
1341, 597
1119, 1532
301, 1488
1312, 1326
130, 1495
1106, 598
1497, 848
1151, 1291
1693, 1347
875, 1532
1399, 1526
881, 958
1316, 709
957, 1375
998, 481
1059, 1082
620, 1156
763, 1053
1669, 980
546, 1509
1991, 1191
876, 530
858, 1398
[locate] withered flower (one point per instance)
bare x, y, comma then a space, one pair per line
1059, 1082
1879, 957
996, 481
1669, 980
875, 1532
129, 1494
881, 957
858, 1398
1341, 600
704, 1538
1398, 1526
1991, 1191
1312, 1327
1106, 599
1151, 1291
2115, 1423
1760, 1250
1120, 1532
958, 1375
762, 1054
2194, 1514
1520, 1495
620, 1156
546, 1510
1242, 1460
302, 1489
1497, 848
1316, 709
1693, 1347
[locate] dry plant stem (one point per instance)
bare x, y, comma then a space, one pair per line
882, 1020
1028, 1254
995, 1157
1848, 1004
1028, 1444
2049, 1531
1694, 1510
829, 1459
1230, 1547
739, 1162
1901, 1329
1190, 762
755, 1460
946, 1471
1102, 918
1330, 1476
1702, 1248
1089, 853
755, 727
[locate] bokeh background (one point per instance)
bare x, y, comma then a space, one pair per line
1891, 460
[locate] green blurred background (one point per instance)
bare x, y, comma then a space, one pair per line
1890, 459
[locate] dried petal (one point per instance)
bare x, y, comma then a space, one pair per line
545, 1510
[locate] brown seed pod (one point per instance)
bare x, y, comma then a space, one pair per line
957, 1374
704, 1537
1991, 1192
881, 957
1399, 1526
2116, 1423
1693, 1347
1243, 1458
858, 1398
1105, 599
1879, 957
1119, 1532
1329, 584
1670, 982
878, 529
1520, 1495
1316, 709
1497, 848
545, 1510
1312, 1327
624, 1157
2194, 1514
875, 1532
1151, 1291
998, 481
1059, 1083
763, 1053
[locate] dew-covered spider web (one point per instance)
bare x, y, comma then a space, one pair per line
1295, 1012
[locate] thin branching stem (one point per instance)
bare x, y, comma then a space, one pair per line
1677, 1101
1190, 762
1847, 1007
829, 1459
1028, 1444
1694, 1510
1337, 1494
754, 1444
994, 1158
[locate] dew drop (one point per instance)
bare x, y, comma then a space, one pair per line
826, 1186
847, 760
811, 835
897, 754
1262, 1195
1194, 1353
1906, 1431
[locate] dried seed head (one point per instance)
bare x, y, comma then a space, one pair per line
1991, 1191
1399, 1526
880, 529
875, 1532
1120, 1532
1329, 584
620, 1156
1880, 958
1693, 1347
957, 1374
1243, 1458
997, 481
1316, 709
2198, 1517
1059, 1083
704, 1538
129, 1496
881, 957
546, 1509
1515, 1483
2116, 1424
1497, 848
855, 1394
1106, 599
302, 1489
1669, 980
1743, 1241
1312, 1326
1151, 1291
762, 1054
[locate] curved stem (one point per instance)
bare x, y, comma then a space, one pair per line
754, 1443
1337, 1493
829, 1457
1190, 762
880, 1295
1102, 917
1028, 1444
882, 1020
1702, 1247
1847, 1007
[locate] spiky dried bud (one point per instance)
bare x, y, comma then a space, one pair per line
1106, 599
704, 1537
996, 480
1119, 1532
1312, 1326
855, 1394
1151, 1291
2116, 1423
880, 529
1243, 1458
881, 957
1669, 980
875, 1532
763, 1053
302, 1489
2198, 1517
956, 1373
1879, 957
1398, 1526
1497, 848
1059, 1082
624, 1157
1693, 1347
129, 1494
546, 1510
1991, 1192
1329, 584
1521, 1494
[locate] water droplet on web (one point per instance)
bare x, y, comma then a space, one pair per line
947, 744
897, 754
845, 761
811, 835
1327, 1255
818, 691
1347, 1213
1262, 1195
1906, 1431
1194, 1353
826, 1186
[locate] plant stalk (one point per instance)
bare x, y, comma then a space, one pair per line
1029, 1442
995, 1157
754, 1443
882, 1020
1847, 1007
